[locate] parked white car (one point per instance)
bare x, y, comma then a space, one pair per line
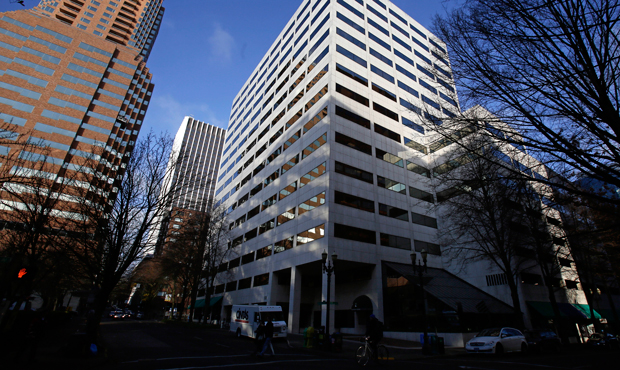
497, 340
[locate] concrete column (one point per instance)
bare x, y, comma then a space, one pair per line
294, 300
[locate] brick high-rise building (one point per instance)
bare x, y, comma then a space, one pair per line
73, 78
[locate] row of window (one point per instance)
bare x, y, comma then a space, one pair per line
389, 78
285, 244
370, 236
311, 102
271, 58
268, 98
269, 201
368, 205
367, 148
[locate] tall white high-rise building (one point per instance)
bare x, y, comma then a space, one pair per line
326, 150
193, 166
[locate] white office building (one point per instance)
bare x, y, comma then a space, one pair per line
193, 167
326, 151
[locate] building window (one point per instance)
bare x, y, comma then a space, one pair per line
316, 144
423, 220
386, 112
291, 140
250, 234
421, 194
353, 143
263, 252
394, 241
290, 164
286, 217
311, 235
355, 234
392, 185
393, 212
253, 212
354, 202
316, 201
312, 175
387, 133
269, 202
288, 190
315, 120
245, 283
346, 114
283, 245
260, 280
352, 95
264, 227
356, 173
431, 248
247, 258
388, 157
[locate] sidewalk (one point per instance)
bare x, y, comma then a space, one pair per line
399, 349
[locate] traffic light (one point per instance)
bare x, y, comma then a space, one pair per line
25, 273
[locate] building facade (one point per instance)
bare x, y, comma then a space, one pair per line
75, 86
327, 149
194, 164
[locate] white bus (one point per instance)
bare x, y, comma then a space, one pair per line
245, 318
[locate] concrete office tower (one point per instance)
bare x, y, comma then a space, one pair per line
326, 151
76, 91
196, 154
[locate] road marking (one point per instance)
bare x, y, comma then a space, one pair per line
250, 364
471, 367
198, 338
222, 345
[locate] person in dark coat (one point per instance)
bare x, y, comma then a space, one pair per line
268, 338
259, 337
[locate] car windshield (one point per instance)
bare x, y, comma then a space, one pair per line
494, 332
275, 316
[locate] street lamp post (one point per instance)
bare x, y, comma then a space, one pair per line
328, 267
421, 268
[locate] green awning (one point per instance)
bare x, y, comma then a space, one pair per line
200, 303
608, 313
585, 309
573, 311
543, 308
214, 301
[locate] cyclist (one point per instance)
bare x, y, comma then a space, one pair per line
374, 332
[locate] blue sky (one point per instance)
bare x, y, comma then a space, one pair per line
206, 50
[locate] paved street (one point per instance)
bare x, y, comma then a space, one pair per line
148, 345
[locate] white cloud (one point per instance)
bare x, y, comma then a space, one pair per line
221, 44
166, 114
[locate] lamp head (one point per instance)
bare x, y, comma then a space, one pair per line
413, 258
424, 254
324, 256
334, 257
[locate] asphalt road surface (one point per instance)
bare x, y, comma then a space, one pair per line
139, 345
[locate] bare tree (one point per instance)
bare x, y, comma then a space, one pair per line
195, 253
31, 202
115, 235
550, 70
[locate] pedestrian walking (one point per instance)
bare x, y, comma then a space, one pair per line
268, 338
259, 337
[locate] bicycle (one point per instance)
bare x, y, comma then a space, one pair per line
365, 353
